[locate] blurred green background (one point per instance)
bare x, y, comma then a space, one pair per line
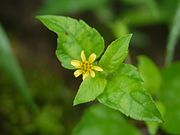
36, 93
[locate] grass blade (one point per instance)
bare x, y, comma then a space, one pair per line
10, 66
173, 36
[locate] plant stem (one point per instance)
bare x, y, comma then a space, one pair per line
173, 36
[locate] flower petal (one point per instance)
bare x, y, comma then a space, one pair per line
92, 58
83, 57
97, 68
76, 63
92, 73
77, 73
85, 75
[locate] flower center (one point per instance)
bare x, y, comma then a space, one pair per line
86, 66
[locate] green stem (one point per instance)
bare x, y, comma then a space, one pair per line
173, 36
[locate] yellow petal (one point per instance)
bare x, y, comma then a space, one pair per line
83, 57
76, 63
97, 68
77, 73
92, 73
85, 75
92, 58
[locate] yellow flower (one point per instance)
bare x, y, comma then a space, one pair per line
85, 67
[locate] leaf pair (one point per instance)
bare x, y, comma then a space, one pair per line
119, 86
91, 88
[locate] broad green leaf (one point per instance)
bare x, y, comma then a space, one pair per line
115, 53
125, 92
70, 6
101, 120
73, 37
153, 126
89, 89
169, 95
150, 74
10, 66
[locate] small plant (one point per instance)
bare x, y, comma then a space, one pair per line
129, 86
117, 85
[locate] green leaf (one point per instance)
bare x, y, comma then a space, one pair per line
150, 74
73, 37
10, 66
101, 120
125, 92
115, 53
169, 95
89, 89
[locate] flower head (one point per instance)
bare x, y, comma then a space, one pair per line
85, 67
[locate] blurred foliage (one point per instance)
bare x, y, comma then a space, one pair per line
154, 126
100, 8
140, 13
52, 98
101, 120
152, 82
55, 90
70, 6
14, 113
150, 74
10, 66
47, 121
169, 96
